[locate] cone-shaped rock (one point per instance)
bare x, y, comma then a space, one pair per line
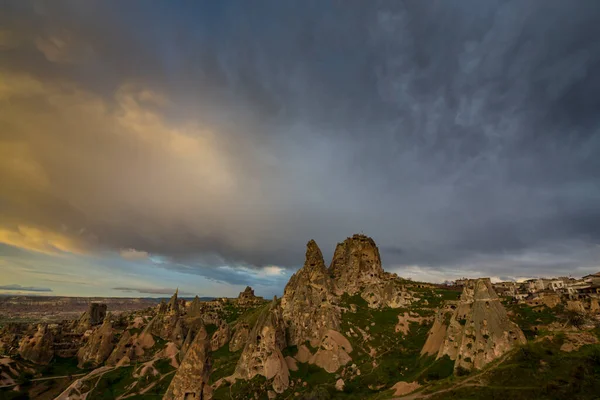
356, 263
262, 352
478, 331
99, 346
308, 300
191, 379
38, 349
173, 306
195, 309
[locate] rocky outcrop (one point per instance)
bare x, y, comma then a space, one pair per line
240, 337
191, 379
38, 348
356, 263
220, 337
262, 352
195, 308
478, 330
334, 352
173, 305
99, 346
308, 301
247, 297
93, 316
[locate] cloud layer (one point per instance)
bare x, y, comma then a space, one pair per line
219, 140
24, 288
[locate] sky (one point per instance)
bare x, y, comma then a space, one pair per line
148, 146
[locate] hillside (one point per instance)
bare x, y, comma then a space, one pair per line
347, 331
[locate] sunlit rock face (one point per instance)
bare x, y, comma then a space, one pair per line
39, 348
262, 352
191, 379
309, 300
356, 263
478, 330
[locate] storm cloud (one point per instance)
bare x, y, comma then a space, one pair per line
220, 137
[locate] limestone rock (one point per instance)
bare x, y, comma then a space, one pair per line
262, 352
334, 352
339, 385
240, 337
356, 263
220, 337
308, 301
195, 309
479, 330
191, 379
99, 346
38, 349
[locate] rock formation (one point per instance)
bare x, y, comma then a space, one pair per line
173, 305
240, 336
478, 331
195, 309
39, 348
262, 352
247, 297
356, 263
191, 379
333, 352
220, 337
99, 346
308, 301
93, 316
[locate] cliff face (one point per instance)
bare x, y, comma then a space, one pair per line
191, 379
356, 263
478, 330
308, 301
262, 352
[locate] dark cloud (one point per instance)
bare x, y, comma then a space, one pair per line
25, 288
457, 134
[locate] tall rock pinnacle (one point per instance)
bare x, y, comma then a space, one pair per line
308, 300
356, 263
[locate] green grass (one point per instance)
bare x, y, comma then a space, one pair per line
528, 317
163, 365
243, 390
539, 371
224, 363
62, 366
113, 383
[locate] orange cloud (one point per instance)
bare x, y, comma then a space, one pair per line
39, 240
